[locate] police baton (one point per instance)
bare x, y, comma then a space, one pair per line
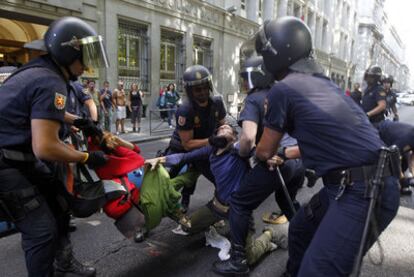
285, 190
372, 191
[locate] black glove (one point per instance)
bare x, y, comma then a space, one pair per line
217, 141
90, 128
96, 159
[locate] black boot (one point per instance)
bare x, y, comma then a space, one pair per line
67, 264
236, 265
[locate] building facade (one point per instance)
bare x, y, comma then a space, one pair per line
379, 43
151, 42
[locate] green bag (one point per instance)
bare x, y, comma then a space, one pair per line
159, 195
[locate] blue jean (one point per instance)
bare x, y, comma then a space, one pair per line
329, 242
171, 113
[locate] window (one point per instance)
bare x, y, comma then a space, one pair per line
202, 52
243, 4
129, 47
167, 60
297, 10
128, 54
133, 55
198, 55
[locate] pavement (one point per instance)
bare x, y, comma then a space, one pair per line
164, 253
152, 128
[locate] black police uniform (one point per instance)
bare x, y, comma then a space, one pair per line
333, 134
391, 99
203, 121
28, 188
399, 134
356, 95
76, 99
263, 179
75, 105
370, 100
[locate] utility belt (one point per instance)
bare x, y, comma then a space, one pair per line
11, 157
14, 205
354, 174
389, 164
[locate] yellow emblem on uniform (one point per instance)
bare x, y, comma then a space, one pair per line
198, 75
196, 120
382, 93
60, 101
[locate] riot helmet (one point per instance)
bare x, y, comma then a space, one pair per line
38, 45
286, 43
69, 38
388, 79
253, 75
373, 75
374, 70
195, 77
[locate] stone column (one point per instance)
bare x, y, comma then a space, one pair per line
111, 41
155, 38
282, 8
188, 37
252, 7
268, 8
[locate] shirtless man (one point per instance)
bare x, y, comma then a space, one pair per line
119, 100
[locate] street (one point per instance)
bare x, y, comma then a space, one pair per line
164, 253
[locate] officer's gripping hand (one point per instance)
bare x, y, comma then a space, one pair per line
89, 127
96, 159
274, 161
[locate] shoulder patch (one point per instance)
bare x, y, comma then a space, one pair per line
60, 101
181, 120
382, 93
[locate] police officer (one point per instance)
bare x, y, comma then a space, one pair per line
256, 81
259, 182
333, 134
391, 97
196, 120
401, 135
32, 110
356, 94
373, 101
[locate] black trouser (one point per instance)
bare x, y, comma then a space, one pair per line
256, 186
45, 228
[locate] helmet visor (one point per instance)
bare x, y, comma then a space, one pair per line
93, 52
199, 82
249, 77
